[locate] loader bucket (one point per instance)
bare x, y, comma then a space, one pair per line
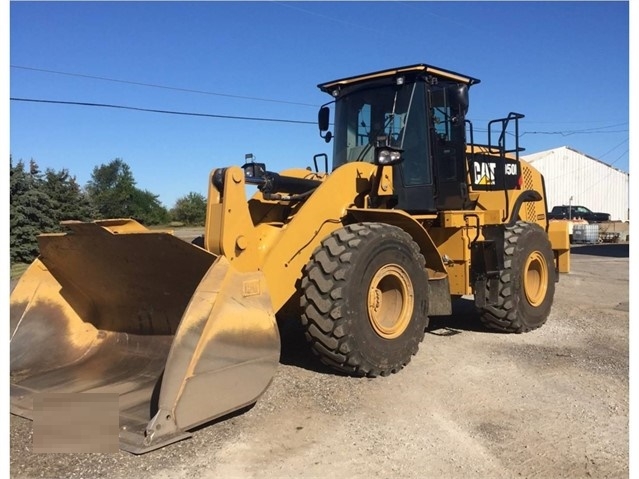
177, 333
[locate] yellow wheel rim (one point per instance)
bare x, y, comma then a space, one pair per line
390, 301
536, 278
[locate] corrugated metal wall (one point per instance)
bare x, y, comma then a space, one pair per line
590, 182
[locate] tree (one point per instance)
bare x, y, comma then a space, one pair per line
31, 211
69, 200
190, 209
111, 190
148, 209
113, 194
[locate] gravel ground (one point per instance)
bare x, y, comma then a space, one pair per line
550, 403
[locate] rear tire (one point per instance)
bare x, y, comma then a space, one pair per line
365, 299
527, 283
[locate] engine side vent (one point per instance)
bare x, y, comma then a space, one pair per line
531, 207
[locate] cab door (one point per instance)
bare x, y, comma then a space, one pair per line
413, 177
448, 146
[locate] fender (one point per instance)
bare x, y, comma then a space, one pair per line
525, 196
439, 294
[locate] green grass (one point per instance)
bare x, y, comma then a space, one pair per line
17, 270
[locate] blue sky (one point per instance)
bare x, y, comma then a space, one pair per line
564, 65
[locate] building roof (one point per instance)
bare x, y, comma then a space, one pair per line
542, 154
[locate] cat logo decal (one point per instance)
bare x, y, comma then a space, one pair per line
484, 173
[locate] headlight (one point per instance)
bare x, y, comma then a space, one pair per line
254, 170
387, 156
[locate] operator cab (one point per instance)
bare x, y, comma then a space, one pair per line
419, 110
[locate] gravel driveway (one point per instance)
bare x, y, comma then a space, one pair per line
550, 403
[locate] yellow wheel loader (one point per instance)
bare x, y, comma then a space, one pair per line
412, 215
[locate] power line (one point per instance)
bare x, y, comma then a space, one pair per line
280, 120
327, 17
613, 148
575, 132
618, 158
204, 92
596, 130
169, 112
583, 168
609, 173
164, 87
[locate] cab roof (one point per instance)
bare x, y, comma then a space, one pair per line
411, 69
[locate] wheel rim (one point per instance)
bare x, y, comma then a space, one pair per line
390, 301
536, 278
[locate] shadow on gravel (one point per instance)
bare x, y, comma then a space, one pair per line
613, 250
295, 351
224, 418
464, 318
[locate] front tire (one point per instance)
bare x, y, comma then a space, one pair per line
365, 299
527, 283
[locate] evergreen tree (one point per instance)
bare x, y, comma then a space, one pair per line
31, 211
38, 202
69, 201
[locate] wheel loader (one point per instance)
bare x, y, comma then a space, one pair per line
411, 215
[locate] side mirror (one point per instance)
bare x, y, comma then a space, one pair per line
323, 123
323, 117
460, 96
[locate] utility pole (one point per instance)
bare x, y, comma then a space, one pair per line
570, 208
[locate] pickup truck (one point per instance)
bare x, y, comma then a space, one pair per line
577, 212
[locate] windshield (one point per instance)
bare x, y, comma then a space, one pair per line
362, 117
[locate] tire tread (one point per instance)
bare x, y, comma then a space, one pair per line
322, 293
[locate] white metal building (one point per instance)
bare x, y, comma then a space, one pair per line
575, 178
